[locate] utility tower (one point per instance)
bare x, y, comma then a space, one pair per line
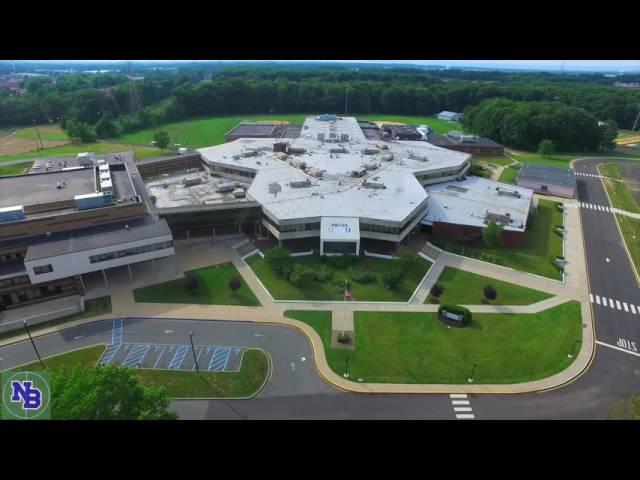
135, 102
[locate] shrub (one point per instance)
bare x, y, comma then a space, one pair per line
341, 262
392, 278
434, 300
363, 277
343, 338
235, 283
490, 292
324, 274
458, 310
301, 275
191, 283
407, 258
437, 290
279, 259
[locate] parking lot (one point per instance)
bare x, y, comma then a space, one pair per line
174, 357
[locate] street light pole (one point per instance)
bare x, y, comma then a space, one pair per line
26, 327
193, 350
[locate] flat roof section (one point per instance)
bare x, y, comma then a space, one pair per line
95, 237
472, 201
40, 188
550, 175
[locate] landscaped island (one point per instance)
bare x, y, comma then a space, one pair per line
415, 347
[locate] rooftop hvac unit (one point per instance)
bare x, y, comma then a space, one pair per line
358, 173
418, 157
338, 150
239, 193
250, 153
12, 214
316, 172
508, 192
189, 182
370, 151
225, 188
344, 137
321, 136
92, 200
375, 185
296, 151
387, 157
498, 217
370, 166
300, 183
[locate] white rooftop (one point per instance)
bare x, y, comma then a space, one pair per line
468, 202
332, 189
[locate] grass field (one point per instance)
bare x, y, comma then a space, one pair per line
73, 149
15, 169
245, 383
466, 288
92, 308
333, 290
619, 194
26, 139
51, 133
502, 160
438, 126
415, 347
509, 174
537, 254
213, 289
201, 132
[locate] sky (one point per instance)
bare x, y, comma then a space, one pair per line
552, 65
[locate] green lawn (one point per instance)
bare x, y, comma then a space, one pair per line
537, 254
247, 382
438, 126
466, 288
502, 160
333, 290
415, 347
98, 148
212, 289
92, 308
201, 132
509, 174
47, 132
619, 194
15, 169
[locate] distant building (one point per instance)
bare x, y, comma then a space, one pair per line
560, 182
449, 116
462, 142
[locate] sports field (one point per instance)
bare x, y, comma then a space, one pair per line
26, 139
73, 149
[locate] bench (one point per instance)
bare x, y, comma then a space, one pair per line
452, 316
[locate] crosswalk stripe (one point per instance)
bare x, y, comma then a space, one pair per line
465, 415
618, 305
604, 301
598, 299
633, 309
462, 409
626, 308
611, 303
591, 297
460, 402
458, 395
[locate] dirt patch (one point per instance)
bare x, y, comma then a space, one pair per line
11, 144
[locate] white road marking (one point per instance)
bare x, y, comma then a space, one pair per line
591, 297
633, 309
459, 402
458, 395
462, 409
607, 260
258, 334
303, 359
617, 348
168, 331
78, 337
618, 305
626, 308
465, 415
598, 299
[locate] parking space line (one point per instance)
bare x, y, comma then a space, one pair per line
197, 357
109, 353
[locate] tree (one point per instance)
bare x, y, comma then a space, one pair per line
301, 276
406, 259
392, 278
279, 259
162, 139
436, 290
492, 234
609, 135
106, 393
490, 292
81, 132
546, 148
191, 283
234, 284
106, 127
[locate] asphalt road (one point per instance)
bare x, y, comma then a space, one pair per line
295, 390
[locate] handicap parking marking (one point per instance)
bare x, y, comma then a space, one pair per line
109, 353
219, 359
117, 331
200, 350
136, 355
177, 359
159, 356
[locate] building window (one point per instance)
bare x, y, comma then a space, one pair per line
43, 269
104, 257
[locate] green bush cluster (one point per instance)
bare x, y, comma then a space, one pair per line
363, 277
341, 262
